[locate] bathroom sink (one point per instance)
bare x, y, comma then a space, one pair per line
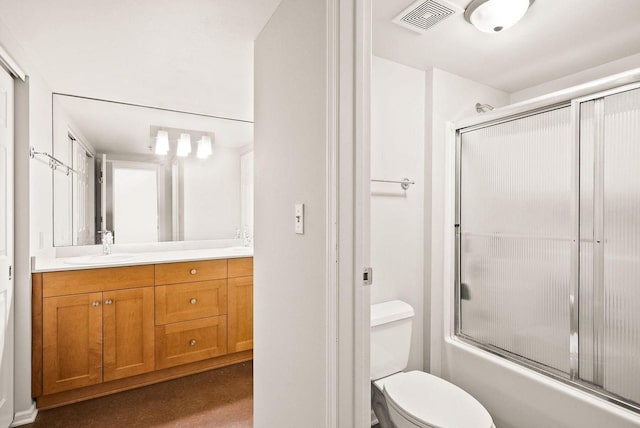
240, 250
103, 258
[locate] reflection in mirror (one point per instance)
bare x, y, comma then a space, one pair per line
149, 175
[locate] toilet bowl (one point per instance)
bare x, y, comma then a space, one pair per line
413, 399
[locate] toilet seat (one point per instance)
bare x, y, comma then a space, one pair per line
428, 401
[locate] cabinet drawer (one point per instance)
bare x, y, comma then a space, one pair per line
91, 280
174, 273
184, 302
190, 341
241, 267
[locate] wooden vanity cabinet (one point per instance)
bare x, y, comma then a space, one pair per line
99, 331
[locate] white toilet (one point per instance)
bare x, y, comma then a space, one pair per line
413, 399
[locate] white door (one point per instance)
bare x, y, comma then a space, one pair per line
135, 205
6, 248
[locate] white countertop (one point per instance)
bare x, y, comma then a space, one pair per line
46, 264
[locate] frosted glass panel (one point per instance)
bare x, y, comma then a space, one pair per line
515, 202
621, 341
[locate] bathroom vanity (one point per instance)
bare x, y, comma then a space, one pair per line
110, 327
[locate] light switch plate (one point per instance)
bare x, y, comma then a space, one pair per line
299, 219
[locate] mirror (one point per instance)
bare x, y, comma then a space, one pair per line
148, 174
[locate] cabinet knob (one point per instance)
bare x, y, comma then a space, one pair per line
108, 302
193, 301
95, 304
192, 342
193, 271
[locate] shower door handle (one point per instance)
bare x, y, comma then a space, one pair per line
465, 292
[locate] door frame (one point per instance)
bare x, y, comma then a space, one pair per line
9, 64
20, 250
348, 201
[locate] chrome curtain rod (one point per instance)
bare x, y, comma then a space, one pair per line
404, 183
54, 163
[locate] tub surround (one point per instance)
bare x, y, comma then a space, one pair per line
117, 325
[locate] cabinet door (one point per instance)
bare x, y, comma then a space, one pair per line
240, 312
128, 333
72, 342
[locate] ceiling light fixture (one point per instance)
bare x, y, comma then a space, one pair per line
204, 147
494, 16
162, 142
184, 145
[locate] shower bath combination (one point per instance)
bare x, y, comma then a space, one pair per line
547, 238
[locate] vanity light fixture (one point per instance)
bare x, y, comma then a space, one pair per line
494, 16
184, 145
204, 147
162, 142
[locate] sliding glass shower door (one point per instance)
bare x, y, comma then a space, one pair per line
610, 243
515, 230
548, 241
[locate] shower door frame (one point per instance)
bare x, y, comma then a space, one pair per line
573, 98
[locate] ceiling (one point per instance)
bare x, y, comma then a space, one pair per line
197, 55
114, 128
192, 55
554, 39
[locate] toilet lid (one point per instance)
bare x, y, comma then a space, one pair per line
429, 401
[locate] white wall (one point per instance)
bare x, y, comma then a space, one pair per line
604, 70
33, 207
290, 319
397, 216
246, 193
515, 397
212, 195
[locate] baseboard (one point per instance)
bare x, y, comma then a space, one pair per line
25, 417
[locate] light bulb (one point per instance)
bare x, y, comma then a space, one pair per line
204, 147
162, 142
184, 145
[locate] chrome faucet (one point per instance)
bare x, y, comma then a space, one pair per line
246, 238
107, 242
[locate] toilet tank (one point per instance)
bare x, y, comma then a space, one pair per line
390, 337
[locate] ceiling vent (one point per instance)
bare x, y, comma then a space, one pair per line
422, 15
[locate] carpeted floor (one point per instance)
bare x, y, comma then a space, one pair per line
217, 398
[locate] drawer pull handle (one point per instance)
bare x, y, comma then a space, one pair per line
108, 302
95, 304
193, 271
193, 301
192, 342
